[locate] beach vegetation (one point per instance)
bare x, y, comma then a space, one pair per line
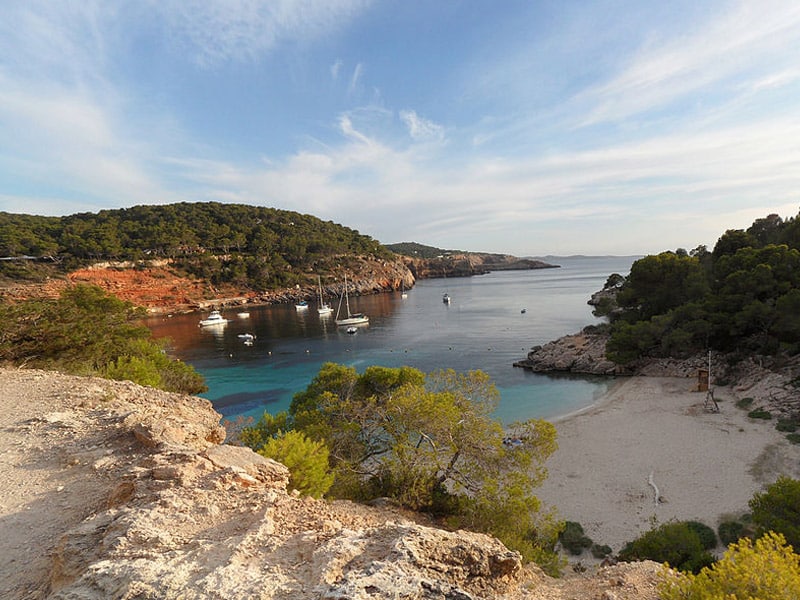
601, 550
87, 331
744, 403
766, 569
674, 543
778, 509
573, 539
743, 298
794, 438
428, 442
787, 425
730, 531
706, 534
760, 413
306, 459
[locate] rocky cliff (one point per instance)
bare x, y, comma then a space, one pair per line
159, 288
113, 491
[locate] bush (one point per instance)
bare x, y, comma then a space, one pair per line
786, 425
707, 536
768, 570
673, 543
778, 509
573, 539
730, 532
760, 413
794, 438
306, 460
744, 403
600, 551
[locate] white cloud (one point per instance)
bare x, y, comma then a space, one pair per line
355, 78
421, 129
335, 68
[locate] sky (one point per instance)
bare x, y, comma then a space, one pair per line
525, 127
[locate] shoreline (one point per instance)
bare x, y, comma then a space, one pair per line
654, 430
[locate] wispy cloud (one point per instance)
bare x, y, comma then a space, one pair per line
335, 68
421, 129
217, 31
724, 49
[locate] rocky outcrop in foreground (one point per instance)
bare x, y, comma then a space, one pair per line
111, 490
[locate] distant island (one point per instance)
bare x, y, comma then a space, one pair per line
428, 262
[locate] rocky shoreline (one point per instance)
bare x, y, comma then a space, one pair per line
771, 382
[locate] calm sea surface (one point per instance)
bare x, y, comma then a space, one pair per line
482, 328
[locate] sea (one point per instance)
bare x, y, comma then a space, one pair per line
492, 321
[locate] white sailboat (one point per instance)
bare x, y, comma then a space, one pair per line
352, 318
323, 308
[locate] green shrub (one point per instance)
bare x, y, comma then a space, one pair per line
794, 438
760, 413
573, 539
599, 551
767, 570
707, 536
730, 532
744, 403
778, 509
673, 543
306, 460
786, 425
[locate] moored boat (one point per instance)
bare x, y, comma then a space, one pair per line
352, 318
214, 318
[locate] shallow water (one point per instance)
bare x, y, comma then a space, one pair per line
484, 327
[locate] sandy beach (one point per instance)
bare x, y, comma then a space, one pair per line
704, 464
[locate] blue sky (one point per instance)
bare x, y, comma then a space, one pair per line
527, 127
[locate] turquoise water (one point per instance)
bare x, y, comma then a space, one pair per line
484, 327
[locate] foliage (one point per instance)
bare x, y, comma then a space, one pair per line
731, 531
767, 570
306, 460
675, 543
794, 438
744, 403
247, 245
418, 250
89, 332
787, 425
573, 539
778, 509
429, 442
707, 536
760, 413
601, 551
743, 297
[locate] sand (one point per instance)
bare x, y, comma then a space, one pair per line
705, 465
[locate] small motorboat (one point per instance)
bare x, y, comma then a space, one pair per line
215, 318
446, 298
523, 311
302, 305
247, 338
243, 315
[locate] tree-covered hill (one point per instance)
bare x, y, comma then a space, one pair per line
257, 247
417, 250
742, 298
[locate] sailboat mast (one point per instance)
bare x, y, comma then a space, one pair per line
346, 297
